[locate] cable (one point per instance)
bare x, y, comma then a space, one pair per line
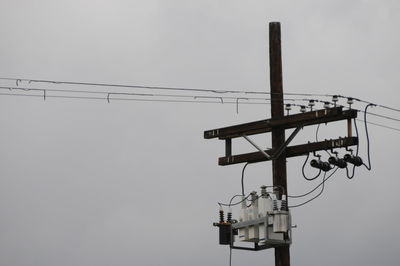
316, 133
381, 116
309, 192
304, 175
124, 99
357, 151
25, 89
366, 133
367, 102
108, 98
244, 168
136, 86
29, 81
236, 203
110, 93
379, 125
319, 194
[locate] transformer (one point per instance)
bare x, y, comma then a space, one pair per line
264, 223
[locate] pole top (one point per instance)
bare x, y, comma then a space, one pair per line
275, 23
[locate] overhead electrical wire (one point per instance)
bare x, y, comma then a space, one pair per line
381, 116
302, 170
319, 194
311, 191
244, 168
236, 203
138, 86
379, 125
110, 95
367, 136
126, 99
357, 151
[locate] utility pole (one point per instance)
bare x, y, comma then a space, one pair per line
282, 254
280, 150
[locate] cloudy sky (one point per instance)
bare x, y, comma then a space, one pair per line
86, 182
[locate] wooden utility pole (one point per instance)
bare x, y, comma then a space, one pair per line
277, 125
282, 254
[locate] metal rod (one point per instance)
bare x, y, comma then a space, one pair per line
256, 146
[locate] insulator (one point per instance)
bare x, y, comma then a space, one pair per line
350, 100
353, 159
311, 103
264, 191
324, 166
335, 99
303, 109
341, 163
221, 215
288, 107
327, 105
283, 205
229, 218
275, 205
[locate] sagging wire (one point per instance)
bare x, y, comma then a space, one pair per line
319, 194
302, 170
367, 135
309, 192
236, 203
357, 151
367, 102
244, 168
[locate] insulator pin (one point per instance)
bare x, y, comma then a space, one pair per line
311, 103
335, 99
288, 107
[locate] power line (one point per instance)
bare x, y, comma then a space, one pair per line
380, 125
218, 91
381, 116
124, 99
29, 81
157, 100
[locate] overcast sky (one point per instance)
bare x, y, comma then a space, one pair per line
86, 182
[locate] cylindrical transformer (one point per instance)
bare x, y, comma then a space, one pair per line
341, 163
281, 222
356, 160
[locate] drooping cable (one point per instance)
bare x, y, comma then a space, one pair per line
309, 192
302, 170
367, 135
319, 194
236, 203
357, 151
379, 125
244, 168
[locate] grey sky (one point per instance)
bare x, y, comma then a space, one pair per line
134, 183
